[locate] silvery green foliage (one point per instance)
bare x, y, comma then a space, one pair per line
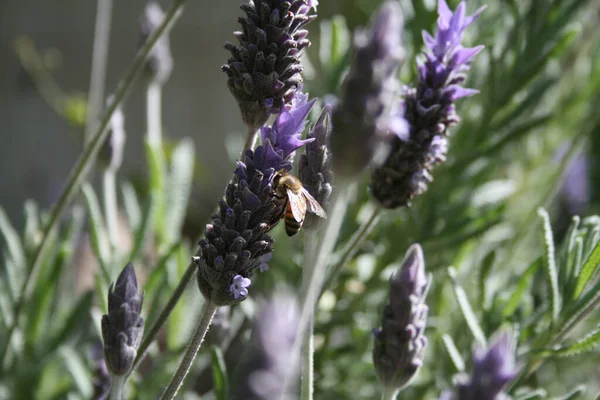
399, 345
261, 373
364, 120
160, 61
123, 326
264, 71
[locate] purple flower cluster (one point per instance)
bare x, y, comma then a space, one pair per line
363, 119
236, 242
400, 343
264, 71
492, 370
429, 110
123, 326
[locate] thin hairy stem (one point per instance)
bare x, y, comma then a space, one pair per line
339, 205
308, 349
189, 273
99, 61
116, 387
190, 353
354, 244
389, 393
81, 168
250, 141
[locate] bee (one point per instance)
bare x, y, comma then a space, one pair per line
297, 201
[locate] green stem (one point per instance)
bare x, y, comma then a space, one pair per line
250, 141
81, 167
389, 393
308, 346
190, 353
153, 114
98, 73
110, 209
154, 140
318, 275
116, 387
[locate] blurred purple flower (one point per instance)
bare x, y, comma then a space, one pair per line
429, 110
236, 241
264, 71
364, 120
400, 343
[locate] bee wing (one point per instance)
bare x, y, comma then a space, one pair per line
313, 205
297, 203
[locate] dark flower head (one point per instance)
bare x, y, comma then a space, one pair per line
261, 373
493, 368
264, 71
160, 60
236, 241
314, 169
429, 110
364, 119
123, 326
400, 343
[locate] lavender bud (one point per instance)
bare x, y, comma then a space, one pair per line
363, 119
160, 60
112, 149
314, 169
100, 374
261, 373
236, 242
429, 111
123, 326
264, 71
400, 343
492, 370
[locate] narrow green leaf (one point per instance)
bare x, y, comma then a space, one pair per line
565, 258
486, 267
76, 367
179, 188
73, 324
157, 172
532, 395
574, 261
33, 232
219, 373
587, 271
550, 264
520, 289
133, 210
99, 236
340, 39
15, 265
587, 344
145, 228
6, 303
453, 352
574, 394
466, 309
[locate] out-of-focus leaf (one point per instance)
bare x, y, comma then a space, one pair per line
486, 267
73, 323
157, 172
145, 227
550, 264
453, 352
14, 270
574, 394
99, 236
179, 187
531, 395
33, 233
219, 369
466, 309
76, 366
132, 206
587, 271
520, 289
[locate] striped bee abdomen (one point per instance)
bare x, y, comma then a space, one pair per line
291, 225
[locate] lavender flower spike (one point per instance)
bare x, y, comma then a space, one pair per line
429, 110
236, 242
160, 60
364, 120
264, 71
400, 343
123, 326
314, 168
492, 370
261, 373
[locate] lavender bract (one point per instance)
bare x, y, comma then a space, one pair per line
261, 373
364, 120
492, 370
122, 327
236, 241
314, 169
429, 110
400, 343
160, 60
264, 71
